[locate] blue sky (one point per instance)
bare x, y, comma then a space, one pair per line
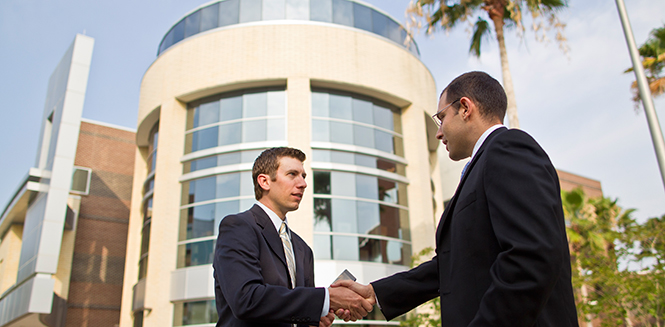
577, 106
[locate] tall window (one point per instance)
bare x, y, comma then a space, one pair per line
360, 198
232, 129
148, 187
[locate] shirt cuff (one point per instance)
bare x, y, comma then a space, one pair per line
326, 303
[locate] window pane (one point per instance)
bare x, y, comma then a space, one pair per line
204, 163
254, 105
230, 133
362, 17
297, 9
179, 31
166, 42
388, 191
276, 129
202, 189
254, 131
320, 130
340, 107
322, 247
379, 23
394, 32
246, 184
80, 180
345, 248
322, 215
208, 113
363, 136
321, 182
209, 17
321, 155
362, 111
344, 216
204, 139
341, 133
370, 249
230, 108
249, 155
342, 157
228, 12
223, 209
365, 161
383, 141
383, 117
343, 12
200, 221
343, 183
390, 221
199, 253
192, 23
228, 185
320, 104
398, 253
368, 218
145, 239
273, 9
320, 10
250, 10
199, 312
367, 187
276, 103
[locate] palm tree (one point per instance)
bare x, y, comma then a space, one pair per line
653, 60
503, 13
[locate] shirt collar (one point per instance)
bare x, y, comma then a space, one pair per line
482, 139
273, 217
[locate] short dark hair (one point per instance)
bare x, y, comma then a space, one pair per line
268, 163
483, 89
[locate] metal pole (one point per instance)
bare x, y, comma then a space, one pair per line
645, 93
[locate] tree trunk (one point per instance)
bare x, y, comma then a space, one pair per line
496, 14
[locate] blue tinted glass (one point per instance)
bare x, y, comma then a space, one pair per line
362, 111
363, 136
340, 107
202, 189
362, 17
368, 218
204, 139
229, 12
254, 131
297, 9
193, 23
200, 221
367, 187
383, 141
365, 161
394, 31
250, 10
167, 41
199, 253
230, 134
209, 17
179, 31
380, 23
254, 105
273, 9
228, 185
223, 209
343, 12
383, 117
228, 159
320, 130
206, 114
204, 163
341, 132
320, 10
230, 108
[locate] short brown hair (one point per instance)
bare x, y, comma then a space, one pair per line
482, 89
268, 163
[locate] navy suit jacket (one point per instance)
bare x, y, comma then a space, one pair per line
501, 248
252, 278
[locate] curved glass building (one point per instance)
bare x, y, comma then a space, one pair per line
340, 80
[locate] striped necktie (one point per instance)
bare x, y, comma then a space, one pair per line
288, 251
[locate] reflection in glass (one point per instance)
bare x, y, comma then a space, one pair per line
367, 187
229, 12
254, 131
273, 9
204, 139
250, 11
255, 105
344, 216
342, 183
192, 23
228, 185
343, 12
345, 248
341, 132
178, 31
368, 218
320, 10
383, 141
206, 114
199, 312
297, 9
362, 17
200, 221
320, 104
230, 134
230, 108
363, 136
340, 107
209, 17
322, 215
199, 253
321, 182
380, 23
362, 111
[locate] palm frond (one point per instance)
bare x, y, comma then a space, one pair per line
480, 29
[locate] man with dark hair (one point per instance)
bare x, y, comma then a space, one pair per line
501, 248
264, 272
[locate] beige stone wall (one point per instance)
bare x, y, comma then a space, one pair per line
296, 56
10, 251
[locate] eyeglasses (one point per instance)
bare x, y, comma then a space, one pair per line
436, 117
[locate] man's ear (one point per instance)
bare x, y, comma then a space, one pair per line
467, 108
264, 181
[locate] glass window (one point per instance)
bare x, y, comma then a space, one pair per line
380, 23
320, 104
362, 17
230, 108
342, 183
365, 161
363, 136
274, 9
228, 185
193, 23
246, 184
345, 248
200, 221
322, 247
202, 189
367, 187
229, 12
143, 268
230, 133
249, 156
387, 191
199, 312
343, 12
383, 117
199, 253
321, 182
320, 10
340, 107
145, 239
204, 163
81, 180
223, 209
276, 130
362, 111
228, 158
209, 17
179, 31
276, 103
204, 139
322, 215
342, 157
297, 9
207, 113
167, 41
341, 132
390, 221
254, 131
368, 218
383, 141
320, 130
394, 32
344, 216
255, 105
250, 10
321, 155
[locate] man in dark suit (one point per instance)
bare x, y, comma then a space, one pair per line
257, 257
501, 248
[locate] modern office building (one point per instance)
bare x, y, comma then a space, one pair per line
338, 79
63, 233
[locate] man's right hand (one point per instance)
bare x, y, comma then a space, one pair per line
344, 298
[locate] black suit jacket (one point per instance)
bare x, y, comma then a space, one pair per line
252, 278
502, 253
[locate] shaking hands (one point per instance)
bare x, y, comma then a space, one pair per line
350, 300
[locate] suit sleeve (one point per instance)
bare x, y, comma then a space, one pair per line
238, 270
400, 293
524, 204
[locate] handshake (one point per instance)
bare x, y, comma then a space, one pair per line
349, 300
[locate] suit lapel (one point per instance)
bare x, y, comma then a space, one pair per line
299, 257
269, 233
448, 210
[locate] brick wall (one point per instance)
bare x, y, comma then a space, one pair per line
101, 233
